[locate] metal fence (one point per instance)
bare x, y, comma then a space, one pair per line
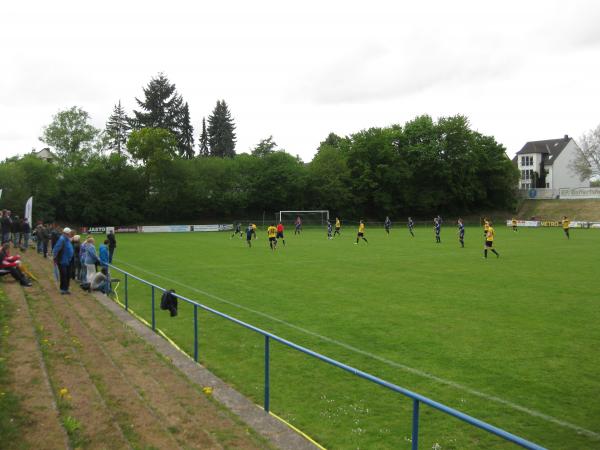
416, 398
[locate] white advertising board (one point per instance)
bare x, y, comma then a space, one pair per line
524, 223
579, 193
211, 227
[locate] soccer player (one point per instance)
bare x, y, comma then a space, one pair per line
565, 224
361, 232
280, 232
329, 228
338, 226
489, 241
514, 224
298, 224
461, 232
387, 224
253, 225
486, 225
249, 232
272, 233
411, 225
437, 226
238, 230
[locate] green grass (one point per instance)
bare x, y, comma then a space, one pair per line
12, 420
522, 328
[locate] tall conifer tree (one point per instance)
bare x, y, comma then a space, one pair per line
117, 129
204, 139
185, 140
161, 106
221, 135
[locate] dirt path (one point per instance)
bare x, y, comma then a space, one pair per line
121, 392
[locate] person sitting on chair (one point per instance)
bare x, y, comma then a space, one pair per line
100, 282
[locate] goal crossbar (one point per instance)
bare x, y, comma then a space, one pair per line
320, 211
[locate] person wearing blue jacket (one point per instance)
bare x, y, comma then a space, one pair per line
90, 259
104, 254
63, 254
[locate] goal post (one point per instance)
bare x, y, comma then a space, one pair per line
312, 217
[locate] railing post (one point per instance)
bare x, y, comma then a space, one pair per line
153, 315
415, 425
126, 294
195, 332
267, 383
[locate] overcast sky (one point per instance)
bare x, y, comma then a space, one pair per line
520, 70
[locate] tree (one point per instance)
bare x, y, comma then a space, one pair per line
117, 129
152, 144
264, 147
185, 139
203, 151
221, 135
161, 106
587, 163
71, 136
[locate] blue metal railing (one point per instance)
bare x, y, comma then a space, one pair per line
417, 398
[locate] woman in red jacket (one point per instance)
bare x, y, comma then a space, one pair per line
11, 264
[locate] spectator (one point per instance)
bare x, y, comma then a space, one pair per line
11, 263
55, 233
5, 226
83, 272
104, 253
62, 252
15, 229
26, 229
90, 259
112, 245
45, 237
37, 234
100, 281
76, 261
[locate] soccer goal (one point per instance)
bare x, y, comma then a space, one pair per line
316, 217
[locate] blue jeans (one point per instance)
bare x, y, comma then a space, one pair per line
16, 239
40, 246
5, 237
26, 240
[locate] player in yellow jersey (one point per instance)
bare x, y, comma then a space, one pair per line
514, 224
272, 233
361, 233
486, 225
338, 225
566, 223
254, 230
489, 241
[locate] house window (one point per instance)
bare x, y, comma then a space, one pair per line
547, 185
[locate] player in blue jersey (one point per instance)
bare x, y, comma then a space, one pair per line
387, 224
329, 230
238, 230
411, 225
249, 232
437, 226
461, 232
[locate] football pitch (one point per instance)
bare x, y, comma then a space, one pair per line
513, 341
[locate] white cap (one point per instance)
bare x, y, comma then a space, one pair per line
66, 230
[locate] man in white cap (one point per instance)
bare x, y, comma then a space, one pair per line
63, 253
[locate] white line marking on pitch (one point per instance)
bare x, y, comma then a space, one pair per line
389, 362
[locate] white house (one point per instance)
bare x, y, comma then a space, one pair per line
552, 157
44, 154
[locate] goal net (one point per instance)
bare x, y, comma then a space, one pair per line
317, 217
